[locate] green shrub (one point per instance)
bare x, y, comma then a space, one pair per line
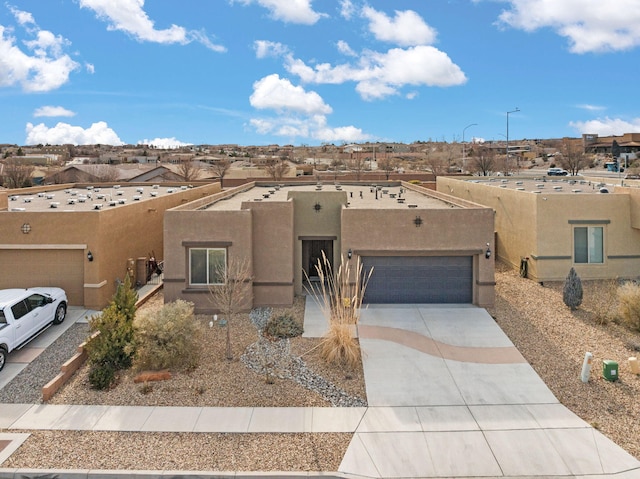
572, 292
629, 297
113, 348
168, 339
283, 326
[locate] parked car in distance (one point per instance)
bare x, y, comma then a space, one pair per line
24, 313
557, 172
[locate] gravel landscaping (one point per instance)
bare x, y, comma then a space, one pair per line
550, 336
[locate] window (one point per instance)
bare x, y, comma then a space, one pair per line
207, 265
587, 244
19, 309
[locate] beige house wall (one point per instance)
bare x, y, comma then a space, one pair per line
541, 227
112, 235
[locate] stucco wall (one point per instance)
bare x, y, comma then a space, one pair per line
540, 227
112, 236
202, 228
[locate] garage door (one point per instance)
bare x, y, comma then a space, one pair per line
61, 268
419, 279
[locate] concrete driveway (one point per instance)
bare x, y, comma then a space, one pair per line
450, 396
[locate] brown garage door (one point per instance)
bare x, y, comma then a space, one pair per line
28, 268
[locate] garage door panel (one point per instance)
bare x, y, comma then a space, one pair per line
28, 268
419, 279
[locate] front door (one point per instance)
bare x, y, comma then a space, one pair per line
312, 256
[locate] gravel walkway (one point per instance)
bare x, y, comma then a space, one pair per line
26, 387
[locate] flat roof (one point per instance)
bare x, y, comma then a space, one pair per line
548, 185
88, 198
361, 196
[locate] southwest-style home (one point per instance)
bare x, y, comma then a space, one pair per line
424, 246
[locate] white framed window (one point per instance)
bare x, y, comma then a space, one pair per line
207, 266
588, 245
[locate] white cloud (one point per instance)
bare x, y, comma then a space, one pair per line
588, 107
378, 75
407, 28
52, 111
265, 48
273, 92
64, 133
288, 11
589, 25
129, 16
314, 127
346, 9
606, 126
90, 68
45, 69
23, 18
164, 143
345, 49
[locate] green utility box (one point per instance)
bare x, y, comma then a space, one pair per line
610, 370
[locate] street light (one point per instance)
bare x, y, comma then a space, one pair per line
463, 155
507, 150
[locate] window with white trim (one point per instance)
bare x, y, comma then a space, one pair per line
207, 266
588, 244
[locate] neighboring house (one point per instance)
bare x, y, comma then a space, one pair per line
425, 247
47, 233
98, 173
557, 224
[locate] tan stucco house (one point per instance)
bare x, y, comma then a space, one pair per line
552, 225
80, 237
425, 247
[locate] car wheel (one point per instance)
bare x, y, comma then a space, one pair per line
61, 313
3, 357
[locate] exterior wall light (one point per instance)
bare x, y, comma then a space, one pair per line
349, 253
26, 228
89, 256
417, 221
487, 253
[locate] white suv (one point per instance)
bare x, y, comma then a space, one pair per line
557, 172
24, 313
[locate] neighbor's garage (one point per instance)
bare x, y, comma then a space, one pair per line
63, 268
419, 279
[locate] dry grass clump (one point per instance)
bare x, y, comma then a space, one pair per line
340, 299
168, 338
629, 299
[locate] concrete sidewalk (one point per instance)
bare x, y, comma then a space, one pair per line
448, 393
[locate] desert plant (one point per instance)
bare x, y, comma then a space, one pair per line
283, 326
604, 308
629, 298
340, 298
572, 292
233, 293
167, 339
114, 347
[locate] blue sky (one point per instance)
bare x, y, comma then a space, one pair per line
256, 72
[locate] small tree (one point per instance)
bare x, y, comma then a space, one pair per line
221, 167
113, 348
232, 292
276, 169
572, 292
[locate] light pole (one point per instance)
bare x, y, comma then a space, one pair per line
507, 149
463, 156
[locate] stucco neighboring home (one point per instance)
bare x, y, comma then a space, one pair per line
98, 173
552, 225
425, 247
80, 237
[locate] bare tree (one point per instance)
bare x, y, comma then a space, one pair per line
483, 161
17, 173
220, 168
232, 293
357, 165
189, 169
104, 173
276, 169
387, 165
573, 158
436, 163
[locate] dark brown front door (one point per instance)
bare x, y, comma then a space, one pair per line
312, 253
